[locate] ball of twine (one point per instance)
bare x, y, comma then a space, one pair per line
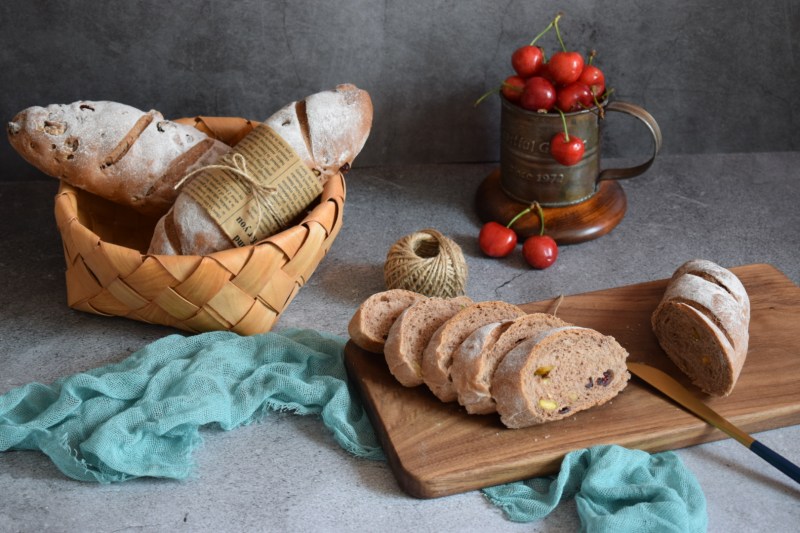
426, 262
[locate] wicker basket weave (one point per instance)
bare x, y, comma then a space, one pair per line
243, 290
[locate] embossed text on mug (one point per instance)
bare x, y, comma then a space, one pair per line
522, 174
525, 144
550, 178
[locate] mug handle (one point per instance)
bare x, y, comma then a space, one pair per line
655, 131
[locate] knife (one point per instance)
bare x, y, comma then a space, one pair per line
677, 392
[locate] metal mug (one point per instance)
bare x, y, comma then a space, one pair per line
529, 173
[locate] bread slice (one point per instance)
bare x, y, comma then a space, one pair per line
438, 355
479, 342
556, 374
472, 370
412, 331
373, 319
702, 325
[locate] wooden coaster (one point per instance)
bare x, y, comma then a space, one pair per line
571, 224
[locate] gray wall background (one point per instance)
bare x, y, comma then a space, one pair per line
719, 76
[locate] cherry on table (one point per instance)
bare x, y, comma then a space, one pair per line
540, 251
496, 240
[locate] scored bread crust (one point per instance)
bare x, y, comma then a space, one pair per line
717, 275
438, 355
558, 373
412, 331
702, 324
113, 150
473, 371
369, 327
327, 130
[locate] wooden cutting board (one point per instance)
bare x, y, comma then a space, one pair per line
437, 449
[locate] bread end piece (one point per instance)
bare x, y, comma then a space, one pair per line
702, 324
558, 373
369, 327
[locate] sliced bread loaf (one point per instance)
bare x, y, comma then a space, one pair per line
702, 325
557, 373
412, 331
472, 370
373, 319
437, 357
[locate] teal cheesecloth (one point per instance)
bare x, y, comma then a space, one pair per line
142, 417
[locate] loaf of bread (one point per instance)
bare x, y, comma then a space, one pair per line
558, 373
473, 369
327, 130
112, 150
412, 331
369, 327
702, 323
437, 357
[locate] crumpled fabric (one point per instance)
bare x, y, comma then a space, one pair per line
142, 417
615, 489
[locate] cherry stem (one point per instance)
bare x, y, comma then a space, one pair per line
490, 92
591, 56
520, 214
564, 122
548, 28
558, 33
515, 88
540, 212
485, 95
600, 112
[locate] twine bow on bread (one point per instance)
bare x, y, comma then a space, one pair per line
254, 188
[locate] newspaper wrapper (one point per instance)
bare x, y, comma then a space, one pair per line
256, 189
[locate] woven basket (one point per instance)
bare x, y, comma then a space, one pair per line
243, 290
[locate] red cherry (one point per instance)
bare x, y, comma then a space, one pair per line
544, 72
497, 240
512, 88
594, 78
526, 60
565, 67
574, 97
540, 251
566, 150
539, 95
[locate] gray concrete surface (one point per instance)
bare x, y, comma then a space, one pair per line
287, 473
719, 76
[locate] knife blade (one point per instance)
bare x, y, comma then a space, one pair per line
674, 390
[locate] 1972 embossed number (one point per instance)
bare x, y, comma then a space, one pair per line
550, 178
